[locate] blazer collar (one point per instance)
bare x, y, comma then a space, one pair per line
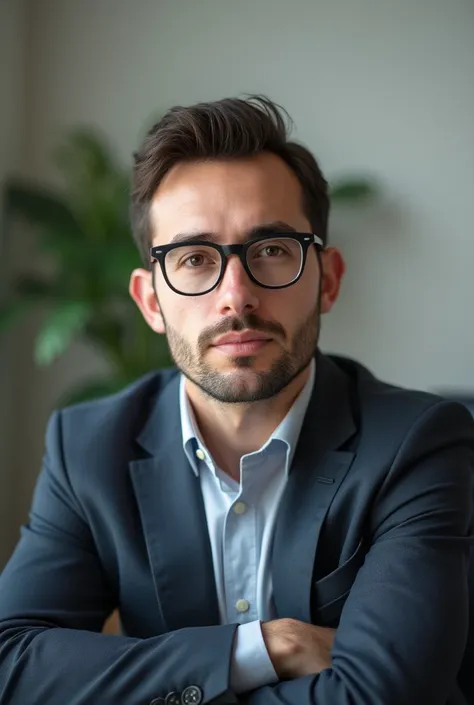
173, 520
162, 428
319, 468
328, 420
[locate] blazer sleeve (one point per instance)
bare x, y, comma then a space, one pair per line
54, 598
403, 629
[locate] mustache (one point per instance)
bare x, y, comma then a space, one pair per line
236, 325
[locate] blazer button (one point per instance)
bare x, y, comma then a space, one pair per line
192, 695
158, 701
173, 699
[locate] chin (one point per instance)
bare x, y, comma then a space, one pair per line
244, 363
257, 363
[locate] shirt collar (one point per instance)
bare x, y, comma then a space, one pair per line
287, 431
191, 435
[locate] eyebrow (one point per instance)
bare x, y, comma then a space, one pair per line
277, 226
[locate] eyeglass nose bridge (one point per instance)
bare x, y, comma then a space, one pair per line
240, 250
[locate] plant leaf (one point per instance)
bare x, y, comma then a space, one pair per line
97, 187
39, 207
28, 291
12, 313
352, 190
119, 261
33, 288
62, 325
83, 155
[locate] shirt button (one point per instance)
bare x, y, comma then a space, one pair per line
240, 508
242, 605
200, 454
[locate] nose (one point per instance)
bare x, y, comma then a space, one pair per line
236, 294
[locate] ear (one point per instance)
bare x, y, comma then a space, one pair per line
333, 266
142, 292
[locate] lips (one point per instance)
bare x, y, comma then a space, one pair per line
241, 338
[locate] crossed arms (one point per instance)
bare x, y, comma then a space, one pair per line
401, 637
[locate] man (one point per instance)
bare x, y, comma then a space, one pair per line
275, 526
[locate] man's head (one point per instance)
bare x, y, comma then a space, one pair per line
224, 173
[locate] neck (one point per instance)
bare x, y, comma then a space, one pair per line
233, 430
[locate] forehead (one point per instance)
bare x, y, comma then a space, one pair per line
226, 197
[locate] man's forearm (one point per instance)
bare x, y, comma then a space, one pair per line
48, 664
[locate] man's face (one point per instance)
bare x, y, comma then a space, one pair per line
229, 199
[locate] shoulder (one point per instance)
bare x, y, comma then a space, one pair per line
393, 414
109, 422
410, 446
138, 395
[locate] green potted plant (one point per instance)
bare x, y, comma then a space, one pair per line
83, 239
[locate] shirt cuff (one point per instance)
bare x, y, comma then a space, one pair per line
251, 665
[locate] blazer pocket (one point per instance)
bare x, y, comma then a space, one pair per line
330, 592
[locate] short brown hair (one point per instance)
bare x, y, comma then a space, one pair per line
224, 129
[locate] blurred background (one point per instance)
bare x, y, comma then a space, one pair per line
381, 92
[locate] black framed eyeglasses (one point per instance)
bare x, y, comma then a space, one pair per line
197, 267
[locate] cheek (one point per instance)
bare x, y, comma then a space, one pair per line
299, 299
291, 306
186, 315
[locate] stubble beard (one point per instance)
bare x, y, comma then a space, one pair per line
243, 386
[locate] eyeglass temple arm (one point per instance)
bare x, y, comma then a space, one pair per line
316, 240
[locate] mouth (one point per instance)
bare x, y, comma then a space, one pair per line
246, 343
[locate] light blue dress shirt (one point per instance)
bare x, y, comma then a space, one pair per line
241, 519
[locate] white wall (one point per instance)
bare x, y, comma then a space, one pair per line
383, 87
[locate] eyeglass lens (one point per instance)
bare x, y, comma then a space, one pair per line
194, 269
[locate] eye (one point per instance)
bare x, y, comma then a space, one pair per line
271, 250
197, 259
193, 260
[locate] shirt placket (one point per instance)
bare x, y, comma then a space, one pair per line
240, 557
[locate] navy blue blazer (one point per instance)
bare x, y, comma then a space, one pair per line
373, 537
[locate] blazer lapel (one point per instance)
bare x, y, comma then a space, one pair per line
173, 519
317, 471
